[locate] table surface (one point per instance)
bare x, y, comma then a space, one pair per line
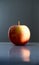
27, 53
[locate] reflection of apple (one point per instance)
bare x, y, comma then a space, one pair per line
19, 34
20, 53
25, 53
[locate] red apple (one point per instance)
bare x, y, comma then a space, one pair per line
19, 34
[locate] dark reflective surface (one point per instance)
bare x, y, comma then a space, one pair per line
28, 53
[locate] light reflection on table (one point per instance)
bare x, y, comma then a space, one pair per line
28, 53
22, 53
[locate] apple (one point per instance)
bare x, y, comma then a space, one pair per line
19, 34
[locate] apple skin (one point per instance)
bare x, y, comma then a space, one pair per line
19, 34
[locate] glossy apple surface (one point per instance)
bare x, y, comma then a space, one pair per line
19, 34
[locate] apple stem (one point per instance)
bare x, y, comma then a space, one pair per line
18, 22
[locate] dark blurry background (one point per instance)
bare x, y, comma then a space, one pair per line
25, 10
